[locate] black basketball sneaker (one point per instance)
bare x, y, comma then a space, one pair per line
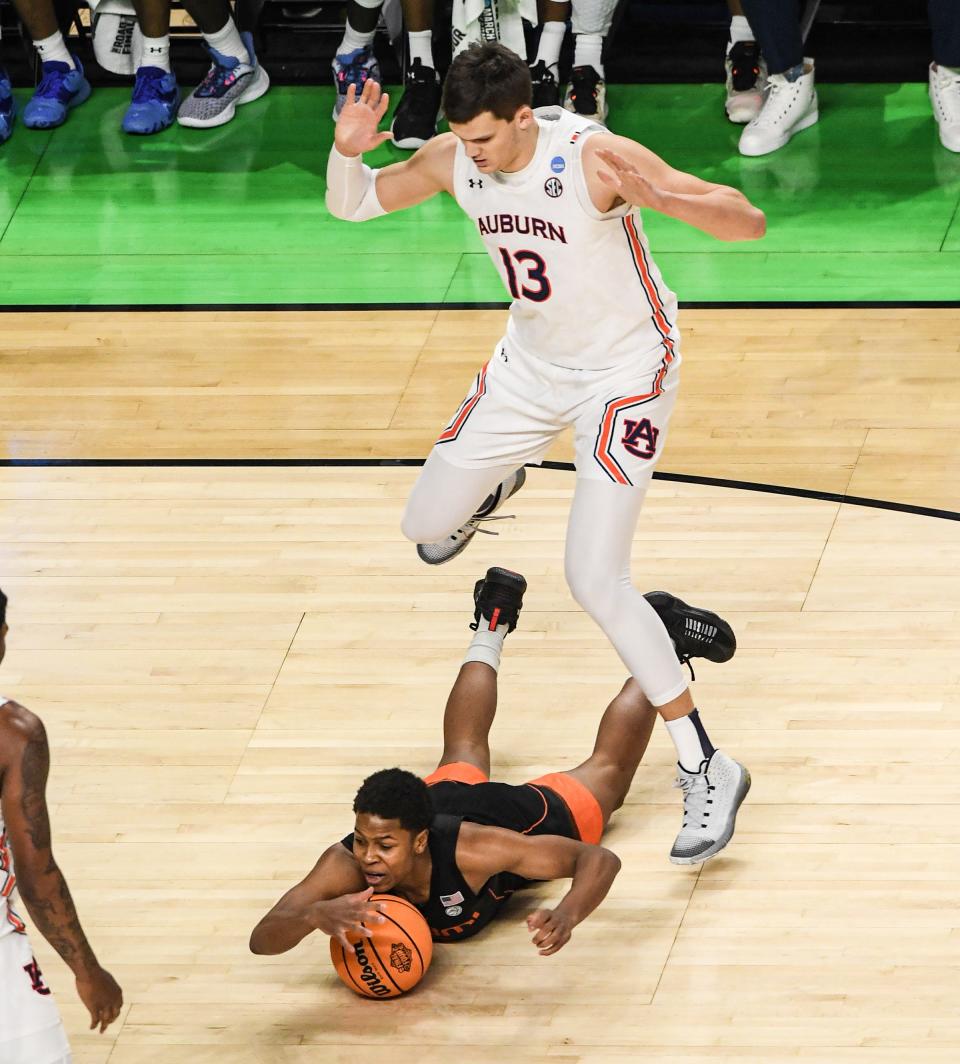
546, 90
415, 119
498, 599
695, 633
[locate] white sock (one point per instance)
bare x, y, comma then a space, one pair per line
551, 41
487, 646
354, 39
588, 51
739, 31
421, 47
52, 49
227, 42
156, 52
690, 739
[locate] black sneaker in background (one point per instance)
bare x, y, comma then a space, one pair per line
546, 90
415, 119
498, 598
586, 94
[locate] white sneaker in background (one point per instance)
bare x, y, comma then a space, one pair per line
945, 101
788, 107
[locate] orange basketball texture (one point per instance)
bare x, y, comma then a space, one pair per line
394, 960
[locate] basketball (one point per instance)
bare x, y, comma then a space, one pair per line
394, 960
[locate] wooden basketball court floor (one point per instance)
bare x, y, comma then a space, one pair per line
222, 652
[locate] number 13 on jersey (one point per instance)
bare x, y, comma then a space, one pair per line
532, 283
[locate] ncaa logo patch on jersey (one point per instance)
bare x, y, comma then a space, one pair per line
553, 187
558, 164
454, 910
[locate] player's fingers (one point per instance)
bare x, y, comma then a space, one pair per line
383, 105
341, 937
609, 179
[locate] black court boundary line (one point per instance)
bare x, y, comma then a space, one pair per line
386, 463
143, 308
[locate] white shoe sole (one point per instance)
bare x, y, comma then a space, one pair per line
256, 89
805, 123
728, 828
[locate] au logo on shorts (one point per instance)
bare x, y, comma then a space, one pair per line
640, 437
553, 187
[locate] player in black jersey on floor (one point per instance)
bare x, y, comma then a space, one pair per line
457, 845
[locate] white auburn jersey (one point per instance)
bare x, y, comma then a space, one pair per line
586, 291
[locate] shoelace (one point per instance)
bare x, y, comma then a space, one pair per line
147, 87
476, 522
696, 797
52, 82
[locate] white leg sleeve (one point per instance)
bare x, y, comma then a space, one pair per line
603, 519
445, 496
593, 16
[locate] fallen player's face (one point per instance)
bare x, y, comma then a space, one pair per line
491, 143
384, 849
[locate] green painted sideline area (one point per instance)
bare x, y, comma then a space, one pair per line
864, 206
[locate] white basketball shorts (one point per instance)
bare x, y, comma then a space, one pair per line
518, 405
31, 1031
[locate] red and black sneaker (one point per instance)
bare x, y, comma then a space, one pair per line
695, 633
498, 599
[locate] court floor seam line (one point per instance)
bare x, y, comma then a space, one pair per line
26, 187
840, 498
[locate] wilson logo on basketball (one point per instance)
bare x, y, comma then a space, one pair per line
368, 974
400, 957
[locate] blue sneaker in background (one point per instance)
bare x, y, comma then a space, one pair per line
8, 107
154, 104
59, 90
353, 68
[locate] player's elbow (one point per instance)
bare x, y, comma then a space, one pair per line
758, 224
336, 209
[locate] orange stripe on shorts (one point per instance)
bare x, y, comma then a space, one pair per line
584, 808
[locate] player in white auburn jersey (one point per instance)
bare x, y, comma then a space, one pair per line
591, 343
31, 1031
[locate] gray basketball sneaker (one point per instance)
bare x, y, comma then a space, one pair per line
711, 798
456, 542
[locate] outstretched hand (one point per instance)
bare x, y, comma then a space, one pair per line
551, 928
627, 181
356, 130
347, 914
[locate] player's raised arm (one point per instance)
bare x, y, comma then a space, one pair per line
356, 193
332, 898
488, 850
26, 764
619, 170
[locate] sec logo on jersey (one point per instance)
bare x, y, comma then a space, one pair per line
553, 187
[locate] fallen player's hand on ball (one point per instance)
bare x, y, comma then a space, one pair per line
552, 930
356, 130
339, 916
627, 181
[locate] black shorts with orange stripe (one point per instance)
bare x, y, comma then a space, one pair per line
528, 809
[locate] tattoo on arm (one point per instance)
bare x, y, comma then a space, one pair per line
46, 893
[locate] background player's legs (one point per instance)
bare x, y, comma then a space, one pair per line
622, 739
446, 496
